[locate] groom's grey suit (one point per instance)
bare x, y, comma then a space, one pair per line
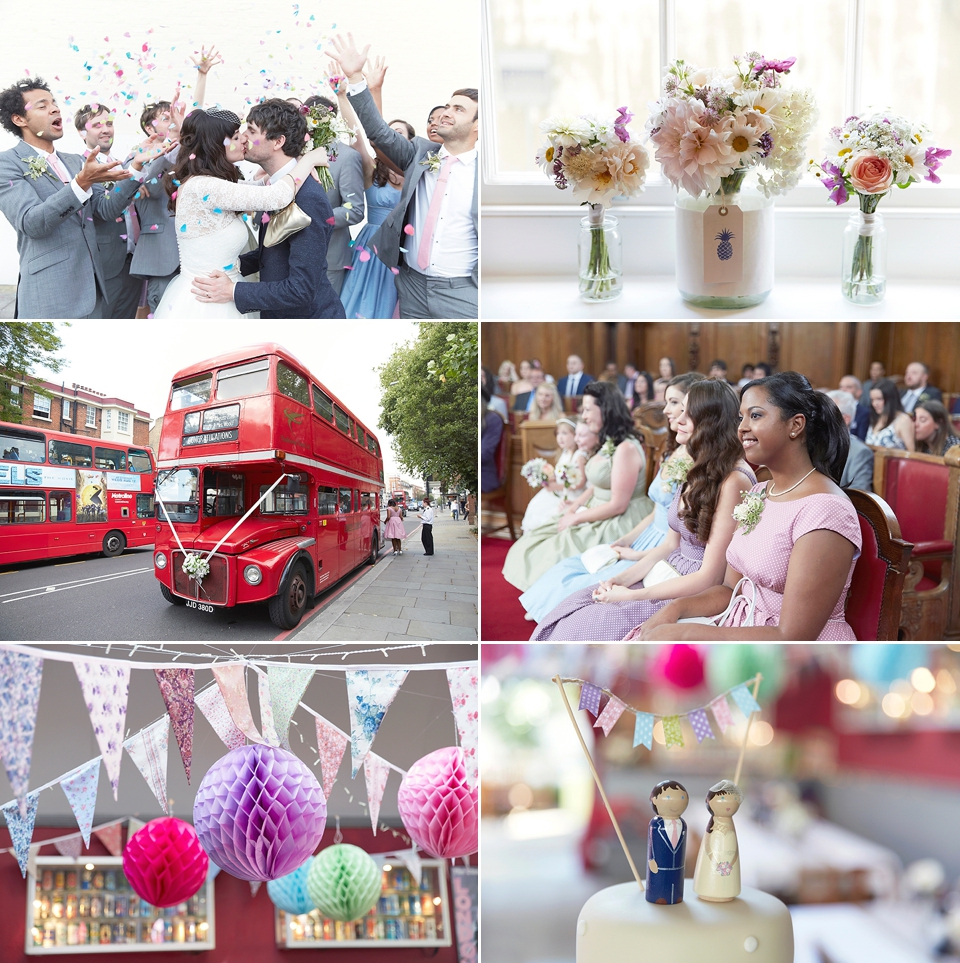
60, 264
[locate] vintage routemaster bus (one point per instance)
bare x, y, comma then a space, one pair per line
268, 488
65, 494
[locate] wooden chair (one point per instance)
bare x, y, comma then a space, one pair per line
654, 445
538, 439
874, 600
650, 414
924, 492
571, 404
501, 499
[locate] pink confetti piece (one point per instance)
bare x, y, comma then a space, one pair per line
364, 255
394, 270
154, 227
330, 220
408, 229
266, 217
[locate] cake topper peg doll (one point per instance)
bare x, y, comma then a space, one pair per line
717, 876
666, 843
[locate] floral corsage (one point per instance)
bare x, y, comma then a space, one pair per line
432, 162
196, 566
724, 868
609, 447
36, 167
747, 513
674, 471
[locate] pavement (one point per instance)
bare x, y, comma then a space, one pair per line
410, 597
8, 297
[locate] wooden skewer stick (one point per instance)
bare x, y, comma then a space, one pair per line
746, 735
596, 777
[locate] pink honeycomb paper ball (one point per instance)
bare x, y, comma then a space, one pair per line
438, 809
165, 862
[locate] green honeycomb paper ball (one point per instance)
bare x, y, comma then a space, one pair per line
344, 882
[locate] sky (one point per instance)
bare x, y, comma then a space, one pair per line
136, 361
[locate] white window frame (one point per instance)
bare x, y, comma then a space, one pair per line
91, 421
66, 410
39, 413
16, 396
123, 422
107, 419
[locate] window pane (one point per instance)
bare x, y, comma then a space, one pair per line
110, 459
123, 421
41, 406
910, 66
292, 384
22, 508
21, 446
178, 489
222, 493
139, 460
61, 506
326, 501
219, 419
343, 422
345, 500
145, 505
91, 417
186, 394
322, 404
566, 57
244, 379
67, 453
65, 408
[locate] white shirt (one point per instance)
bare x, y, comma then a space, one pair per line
286, 169
127, 216
82, 195
426, 515
573, 382
910, 398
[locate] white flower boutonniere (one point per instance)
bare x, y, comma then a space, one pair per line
432, 162
609, 447
674, 471
36, 167
747, 513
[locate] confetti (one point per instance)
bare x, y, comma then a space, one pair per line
395, 270
331, 220
183, 228
265, 218
364, 255
154, 227
408, 229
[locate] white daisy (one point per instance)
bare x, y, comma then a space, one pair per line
744, 142
567, 131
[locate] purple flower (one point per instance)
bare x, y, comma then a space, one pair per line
766, 142
933, 159
780, 66
835, 183
620, 124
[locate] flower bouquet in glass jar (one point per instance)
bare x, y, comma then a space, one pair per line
598, 160
869, 156
711, 128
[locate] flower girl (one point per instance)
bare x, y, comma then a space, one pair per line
568, 475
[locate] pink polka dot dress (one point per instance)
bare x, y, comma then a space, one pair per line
764, 555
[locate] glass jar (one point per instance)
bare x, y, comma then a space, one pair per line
864, 278
757, 247
600, 256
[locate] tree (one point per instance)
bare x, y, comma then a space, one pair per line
23, 346
433, 419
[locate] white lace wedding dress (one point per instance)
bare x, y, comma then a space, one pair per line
211, 236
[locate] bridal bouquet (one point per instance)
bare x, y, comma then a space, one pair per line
712, 126
537, 471
324, 128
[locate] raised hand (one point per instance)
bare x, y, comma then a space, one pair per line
317, 157
208, 58
94, 172
376, 73
351, 59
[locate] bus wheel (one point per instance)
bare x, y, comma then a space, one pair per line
289, 604
170, 597
113, 544
374, 548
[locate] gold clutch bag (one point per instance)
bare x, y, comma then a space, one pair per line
284, 224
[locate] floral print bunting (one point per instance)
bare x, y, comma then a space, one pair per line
21, 827
232, 680
375, 772
106, 687
270, 736
19, 697
643, 730
721, 712
81, 792
370, 693
331, 744
148, 750
210, 702
463, 697
177, 689
611, 712
288, 683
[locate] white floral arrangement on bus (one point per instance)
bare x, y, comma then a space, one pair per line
714, 125
196, 566
537, 471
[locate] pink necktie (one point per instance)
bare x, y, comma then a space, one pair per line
673, 833
58, 167
439, 192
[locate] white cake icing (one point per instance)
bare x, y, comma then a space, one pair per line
618, 925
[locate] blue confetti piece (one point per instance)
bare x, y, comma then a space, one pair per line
206, 197
228, 267
217, 210
183, 228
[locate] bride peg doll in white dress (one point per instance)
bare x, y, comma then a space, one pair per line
208, 199
717, 876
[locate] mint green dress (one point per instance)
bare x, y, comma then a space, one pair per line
539, 549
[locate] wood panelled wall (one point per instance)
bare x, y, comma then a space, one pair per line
823, 350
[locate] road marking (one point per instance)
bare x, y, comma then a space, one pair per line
67, 586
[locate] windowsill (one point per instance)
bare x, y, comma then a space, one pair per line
37, 417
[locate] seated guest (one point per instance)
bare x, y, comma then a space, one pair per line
537, 364
506, 377
858, 471
861, 418
524, 402
614, 504
915, 380
643, 390
889, 426
718, 370
497, 404
547, 405
877, 371
934, 429
798, 539
576, 378
630, 382
701, 526
667, 371
762, 370
491, 432
522, 384
612, 374
746, 375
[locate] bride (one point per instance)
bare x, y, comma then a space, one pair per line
207, 199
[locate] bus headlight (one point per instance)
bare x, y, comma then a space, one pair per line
160, 560
252, 575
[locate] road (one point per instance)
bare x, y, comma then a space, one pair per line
92, 599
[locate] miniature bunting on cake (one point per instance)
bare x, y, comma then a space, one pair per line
232, 680
643, 730
19, 697
671, 731
701, 725
177, 689
370, 693
270, 736
288, 683
112, 838
211, 704
331, 744
148, 750
608, 718
590, 698
745, 700
721, 712
375, 772
21, 827
462, 682
81, 792
106, 687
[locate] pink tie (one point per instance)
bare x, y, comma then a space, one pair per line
61, 171
673, 833
439, 192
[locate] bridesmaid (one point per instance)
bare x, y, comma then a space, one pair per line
717, 876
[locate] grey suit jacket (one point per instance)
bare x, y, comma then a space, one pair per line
858, 471
407, 156
60, 263
157, 254
347, 172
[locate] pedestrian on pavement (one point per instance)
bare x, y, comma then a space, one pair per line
394, 529
426, 516
456, 511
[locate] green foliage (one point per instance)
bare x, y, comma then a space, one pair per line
23, 346
432, 417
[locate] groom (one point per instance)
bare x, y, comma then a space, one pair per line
293, 277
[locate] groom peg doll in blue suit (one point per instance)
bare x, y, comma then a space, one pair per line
666, 843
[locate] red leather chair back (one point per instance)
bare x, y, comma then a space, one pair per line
917, 493
866, 588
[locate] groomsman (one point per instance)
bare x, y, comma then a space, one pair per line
52, 200
434, 226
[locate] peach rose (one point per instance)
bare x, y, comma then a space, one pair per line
869, 173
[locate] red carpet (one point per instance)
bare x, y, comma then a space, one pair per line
501, 618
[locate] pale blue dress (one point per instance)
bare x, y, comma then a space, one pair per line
569, 575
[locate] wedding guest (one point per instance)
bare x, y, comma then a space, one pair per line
916, 380
524, 402
549, 501
630, 374
877, 371
491, 431
506, 378
667, 371
746, 375
546, 405
394, 529
612, 374
643, 390
861, 418
718, 370
498, 404
934, 430
522, 385
762, 370
858, 470
798, 536
426, 533
617, 498
701, 526
889, 426
433, 125
438, 273
576, 379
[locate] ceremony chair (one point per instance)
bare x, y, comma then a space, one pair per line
501, 498
654, 445
650, 414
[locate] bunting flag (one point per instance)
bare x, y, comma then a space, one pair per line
148, 750
721, 712
19, 697
590, 698
331, 744
611, 712
134, 826
463, 697
745, 700
106, 686
255, 885
232, 681
112, 838
375, 772
412, 860
270, 736
81, 792
211, 704
671, 731
288, 683
21, 827
701, 725
643, 730
370, 693
70, 847
177, 689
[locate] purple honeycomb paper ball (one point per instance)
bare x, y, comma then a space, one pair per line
259, 812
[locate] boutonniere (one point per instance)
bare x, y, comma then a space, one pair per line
747, 513
36, 167
432, 162
609, 447
674, 471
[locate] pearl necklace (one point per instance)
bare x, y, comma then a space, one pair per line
773, 494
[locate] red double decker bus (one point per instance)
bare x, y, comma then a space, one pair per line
65, 494
266, 481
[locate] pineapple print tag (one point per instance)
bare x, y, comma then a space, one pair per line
722, 244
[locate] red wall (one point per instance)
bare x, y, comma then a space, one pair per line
245, 927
